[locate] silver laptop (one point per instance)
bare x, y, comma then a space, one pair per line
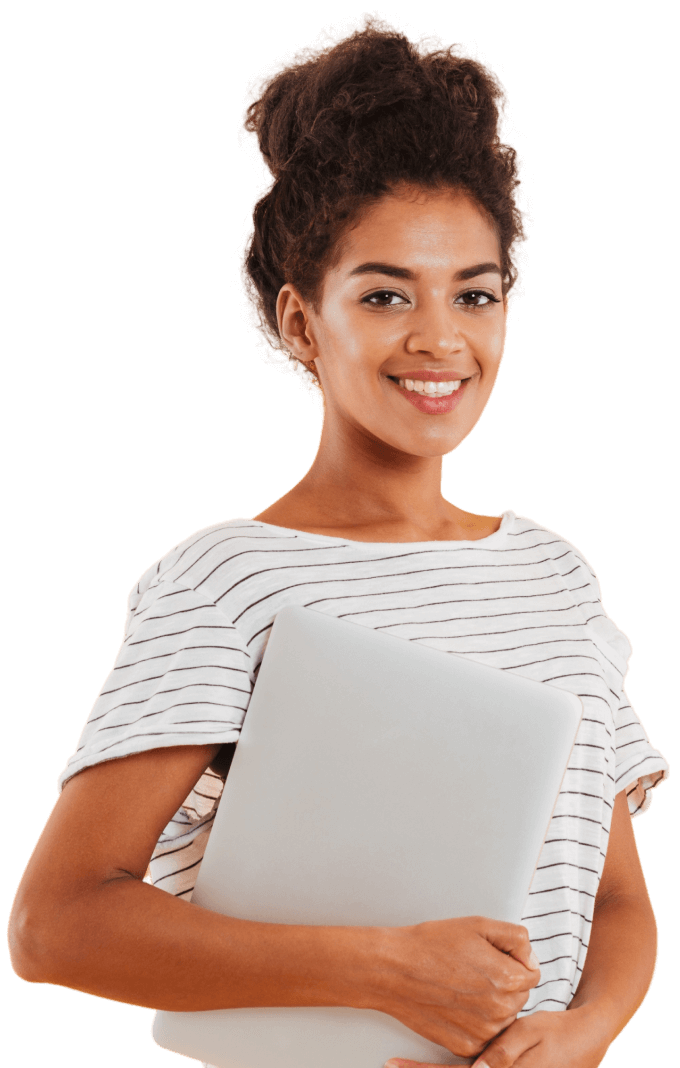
376, 781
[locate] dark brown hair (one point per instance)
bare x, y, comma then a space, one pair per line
345, 125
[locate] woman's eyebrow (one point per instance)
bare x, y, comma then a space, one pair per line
373, 267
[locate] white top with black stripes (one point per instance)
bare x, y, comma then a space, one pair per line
522, 599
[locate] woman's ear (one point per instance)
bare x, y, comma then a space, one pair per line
293, 319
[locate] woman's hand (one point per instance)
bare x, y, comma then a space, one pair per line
457, 982
575, 1038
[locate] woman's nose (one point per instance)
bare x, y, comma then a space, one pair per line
435, 330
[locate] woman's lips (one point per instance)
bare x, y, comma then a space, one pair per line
432, 405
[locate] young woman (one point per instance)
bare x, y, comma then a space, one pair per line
381, 260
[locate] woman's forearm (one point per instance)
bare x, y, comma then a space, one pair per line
132, 942
619, 963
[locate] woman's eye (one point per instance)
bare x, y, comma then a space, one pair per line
475, 293
383, 293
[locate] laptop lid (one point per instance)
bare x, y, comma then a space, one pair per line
376, 781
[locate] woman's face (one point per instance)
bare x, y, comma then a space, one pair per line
415, 295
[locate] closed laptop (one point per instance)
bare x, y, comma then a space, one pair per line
376, 781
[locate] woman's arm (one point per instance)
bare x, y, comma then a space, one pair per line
83, 917
622, 949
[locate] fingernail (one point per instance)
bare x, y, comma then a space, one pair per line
393, 1063
534, 963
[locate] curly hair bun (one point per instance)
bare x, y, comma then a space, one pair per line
363, 94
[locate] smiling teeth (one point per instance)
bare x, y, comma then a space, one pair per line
439, 389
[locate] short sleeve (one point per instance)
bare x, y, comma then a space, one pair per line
638, 765
639, 768
182, 677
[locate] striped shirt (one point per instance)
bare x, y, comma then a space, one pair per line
522, 599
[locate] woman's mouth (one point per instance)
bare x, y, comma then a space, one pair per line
446, 398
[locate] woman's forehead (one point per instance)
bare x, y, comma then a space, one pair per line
421, 227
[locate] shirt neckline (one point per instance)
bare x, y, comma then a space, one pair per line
507, 518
